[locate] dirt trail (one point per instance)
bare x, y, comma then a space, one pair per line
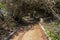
36, 33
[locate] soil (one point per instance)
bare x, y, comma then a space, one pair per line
35, 33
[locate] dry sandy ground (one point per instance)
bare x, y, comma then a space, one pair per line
36, 33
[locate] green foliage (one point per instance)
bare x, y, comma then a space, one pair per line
53, 30
3, 9
2, 6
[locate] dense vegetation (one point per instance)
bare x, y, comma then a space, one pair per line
53, 30
14, 13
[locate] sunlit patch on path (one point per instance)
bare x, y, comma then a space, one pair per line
35, 33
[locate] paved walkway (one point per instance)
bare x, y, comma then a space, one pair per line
36, 33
